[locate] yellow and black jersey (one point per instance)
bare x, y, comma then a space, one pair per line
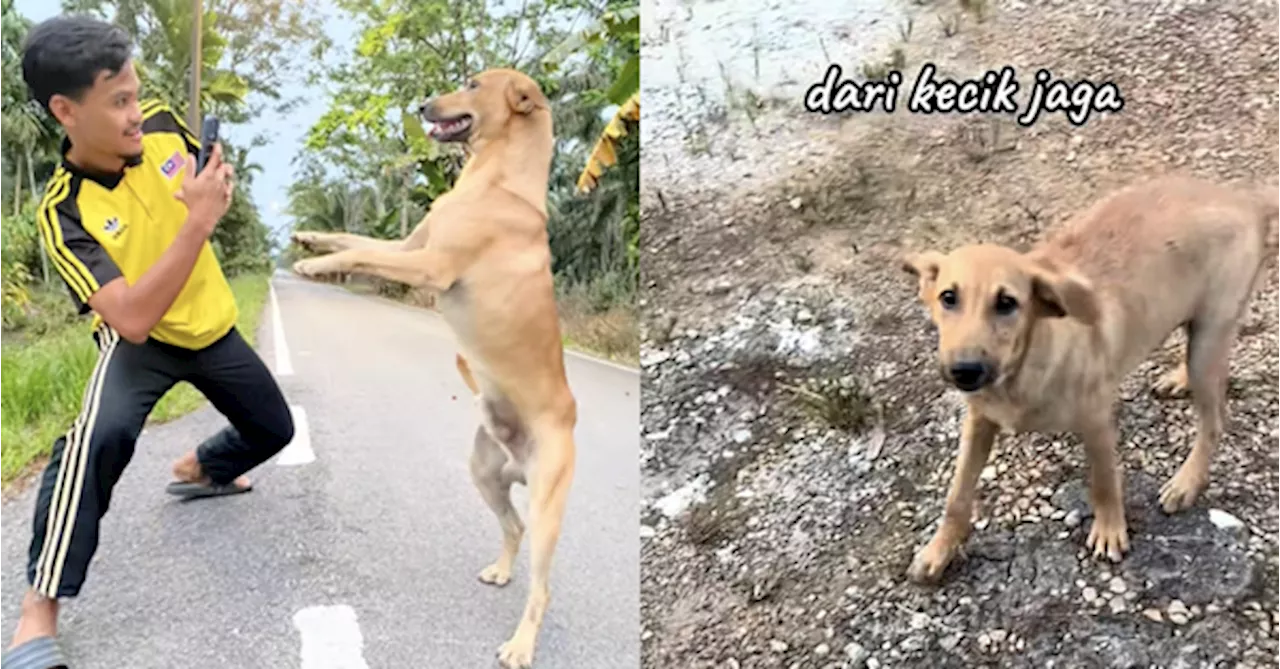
100, 227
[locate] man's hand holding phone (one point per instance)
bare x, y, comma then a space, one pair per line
208, 193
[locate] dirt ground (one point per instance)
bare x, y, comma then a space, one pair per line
797, 438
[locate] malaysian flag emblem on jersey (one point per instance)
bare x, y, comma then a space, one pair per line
172, 165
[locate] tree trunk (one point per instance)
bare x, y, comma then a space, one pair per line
17, 188
31, 183
404, 203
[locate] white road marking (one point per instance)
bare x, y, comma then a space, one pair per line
331, 638
284, 366
298, 452
598, 360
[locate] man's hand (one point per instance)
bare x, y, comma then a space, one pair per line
207, 194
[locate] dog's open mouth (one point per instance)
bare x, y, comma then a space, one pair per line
450, 130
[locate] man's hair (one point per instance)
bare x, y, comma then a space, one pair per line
65, 54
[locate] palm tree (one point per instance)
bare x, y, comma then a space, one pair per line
622, 28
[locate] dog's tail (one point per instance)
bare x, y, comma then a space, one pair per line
467, 377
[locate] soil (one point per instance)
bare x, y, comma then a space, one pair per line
797, 438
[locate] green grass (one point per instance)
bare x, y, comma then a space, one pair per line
42, 382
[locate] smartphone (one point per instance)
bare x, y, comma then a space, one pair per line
208, 137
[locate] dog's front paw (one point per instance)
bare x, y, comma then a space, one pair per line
314, 267
1181, 491
1109, 536
305, 238
516, 653
496, 574
931, 561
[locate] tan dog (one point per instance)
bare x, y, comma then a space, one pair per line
483, 248
1041, 341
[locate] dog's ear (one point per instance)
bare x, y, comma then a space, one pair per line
1061, 294
924, 266
522, 96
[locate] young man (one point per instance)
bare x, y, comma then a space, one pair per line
127, 227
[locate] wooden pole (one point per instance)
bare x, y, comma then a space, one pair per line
197, 64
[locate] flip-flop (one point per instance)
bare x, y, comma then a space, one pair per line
41, 652
190, 490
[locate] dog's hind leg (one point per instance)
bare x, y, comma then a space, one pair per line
490, 474
1209, 349
1209, 340
549, 483
1174, 384
499, 439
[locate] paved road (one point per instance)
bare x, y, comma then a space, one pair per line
385, 520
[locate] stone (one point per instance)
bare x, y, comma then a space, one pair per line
1178, 612
1224, 521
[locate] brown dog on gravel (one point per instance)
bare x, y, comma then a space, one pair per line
483, 249
1040, 341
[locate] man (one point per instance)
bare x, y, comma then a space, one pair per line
127, 227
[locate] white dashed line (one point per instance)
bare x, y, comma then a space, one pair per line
331, 638
298, 452
284, 366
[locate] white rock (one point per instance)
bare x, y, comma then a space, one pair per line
822, 650
1090, 594
1224, 520
1117, 585
1178, 612
856, 653
778, 646
1153, 614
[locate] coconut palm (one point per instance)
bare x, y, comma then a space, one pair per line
620, 29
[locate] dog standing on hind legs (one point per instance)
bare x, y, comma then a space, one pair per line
483, 249
1040, 341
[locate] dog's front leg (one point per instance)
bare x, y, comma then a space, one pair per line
424, 267
976, 439
1109, 535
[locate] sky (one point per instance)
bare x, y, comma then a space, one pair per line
285, 134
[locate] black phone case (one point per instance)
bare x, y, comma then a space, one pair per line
208, 137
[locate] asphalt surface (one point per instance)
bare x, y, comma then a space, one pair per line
385, 520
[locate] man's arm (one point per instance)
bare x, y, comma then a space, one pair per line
96, 282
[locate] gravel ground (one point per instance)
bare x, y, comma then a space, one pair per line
797, 441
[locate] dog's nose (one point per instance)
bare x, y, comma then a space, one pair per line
970, 376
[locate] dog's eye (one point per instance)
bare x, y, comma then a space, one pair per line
1005, 305
473, 84
948, 298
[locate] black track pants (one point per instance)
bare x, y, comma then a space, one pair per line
124, 387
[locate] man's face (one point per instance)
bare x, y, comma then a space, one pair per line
107, 118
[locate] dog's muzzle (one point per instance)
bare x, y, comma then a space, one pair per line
970, 375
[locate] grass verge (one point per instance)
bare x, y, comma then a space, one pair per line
42, 383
